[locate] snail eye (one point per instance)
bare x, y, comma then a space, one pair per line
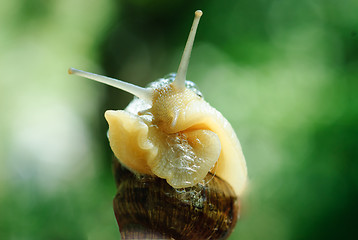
169, 78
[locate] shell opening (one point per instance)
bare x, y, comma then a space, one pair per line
179, 81
143, 93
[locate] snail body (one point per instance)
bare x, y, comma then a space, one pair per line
173, 133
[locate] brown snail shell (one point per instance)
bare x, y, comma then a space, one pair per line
147, 207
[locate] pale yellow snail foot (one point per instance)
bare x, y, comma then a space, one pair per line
183, 158
129, 140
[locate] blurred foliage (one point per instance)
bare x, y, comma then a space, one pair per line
284, 73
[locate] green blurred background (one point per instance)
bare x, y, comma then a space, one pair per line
283, 72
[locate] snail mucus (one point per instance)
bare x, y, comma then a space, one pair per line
180, 168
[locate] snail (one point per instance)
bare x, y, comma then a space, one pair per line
169, 139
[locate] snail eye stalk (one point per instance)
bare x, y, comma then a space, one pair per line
179, 81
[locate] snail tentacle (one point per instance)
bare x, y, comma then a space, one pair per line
180, 78
143, 93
